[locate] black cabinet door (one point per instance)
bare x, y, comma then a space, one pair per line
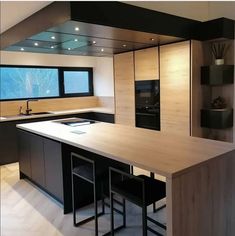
8, 143
109, 118
24, 153
37, 159
53, 168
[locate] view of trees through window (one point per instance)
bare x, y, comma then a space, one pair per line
76, 82
44, 82
20, 82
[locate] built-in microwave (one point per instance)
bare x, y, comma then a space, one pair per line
147, 103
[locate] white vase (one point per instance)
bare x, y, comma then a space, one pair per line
219, 62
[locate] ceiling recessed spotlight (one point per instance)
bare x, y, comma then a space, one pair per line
152, 39
76, 29
102, 49
52, 37
22, 49
69, 49
52, 47
94, 42
36, 44
124, 45
75, 40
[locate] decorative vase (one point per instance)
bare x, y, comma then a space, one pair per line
219, 62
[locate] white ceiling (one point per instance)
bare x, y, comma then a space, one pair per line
13, 12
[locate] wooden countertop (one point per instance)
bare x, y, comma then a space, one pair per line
162, 153
56, 113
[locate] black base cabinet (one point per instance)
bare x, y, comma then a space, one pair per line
37, 159
24, 153
53, 168
40, 160
8, 132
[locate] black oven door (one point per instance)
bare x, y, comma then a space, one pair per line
148, 120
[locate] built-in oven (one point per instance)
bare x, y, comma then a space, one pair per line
147, 102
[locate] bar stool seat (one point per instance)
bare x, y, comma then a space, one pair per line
131, 189
140, 190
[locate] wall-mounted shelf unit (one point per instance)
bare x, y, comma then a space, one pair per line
213, 87
217, 118
217, 74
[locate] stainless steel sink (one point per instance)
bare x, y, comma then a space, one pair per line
36, 113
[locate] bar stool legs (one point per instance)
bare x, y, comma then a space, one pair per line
144, 221
87, 172
112, 228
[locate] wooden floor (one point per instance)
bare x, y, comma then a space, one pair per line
26, 211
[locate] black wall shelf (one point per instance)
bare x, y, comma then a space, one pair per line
217, 118
217, 74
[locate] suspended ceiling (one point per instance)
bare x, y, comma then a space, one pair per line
94, 29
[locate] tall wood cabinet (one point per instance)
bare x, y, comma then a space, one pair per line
174, 74
175, 88
146, 64
124, 89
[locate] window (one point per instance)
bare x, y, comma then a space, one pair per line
77, 82
24, 82
20, 83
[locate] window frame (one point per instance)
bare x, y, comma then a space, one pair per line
90, 81
60, 81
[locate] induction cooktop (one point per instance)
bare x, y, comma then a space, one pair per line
74, 122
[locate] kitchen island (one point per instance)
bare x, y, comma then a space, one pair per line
200, 174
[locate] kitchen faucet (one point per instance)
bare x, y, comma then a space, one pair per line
28, 110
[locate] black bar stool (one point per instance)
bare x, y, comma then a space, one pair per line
88, 170
152, 176
85, 169
140, 190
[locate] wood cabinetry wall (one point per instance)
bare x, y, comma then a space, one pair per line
174, 74
146, 64
124, 89
11, 108
175, 88
196, 94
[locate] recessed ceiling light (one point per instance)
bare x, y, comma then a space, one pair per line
36, 44
124, 45
94, 42
75, 40
52, 47
152, 39
76, 29
69, 49
52, 37
22, 49
102, 49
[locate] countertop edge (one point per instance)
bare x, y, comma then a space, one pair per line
105, 154
58, 113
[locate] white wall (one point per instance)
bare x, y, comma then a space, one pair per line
103, 82
103, 66
12, 12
